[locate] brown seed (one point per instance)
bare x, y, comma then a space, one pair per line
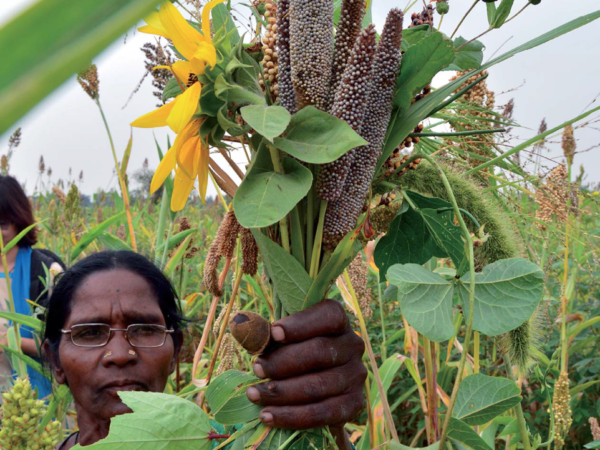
251, 330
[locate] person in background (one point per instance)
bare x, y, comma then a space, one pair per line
25, 266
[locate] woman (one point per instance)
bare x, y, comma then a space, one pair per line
317, 373
25, 267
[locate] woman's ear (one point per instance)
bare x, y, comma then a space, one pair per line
52, 357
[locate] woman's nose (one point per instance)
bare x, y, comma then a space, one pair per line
118, 351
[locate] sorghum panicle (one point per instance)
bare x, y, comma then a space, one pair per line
270, 59
342, 213
89, 81
348, 29
311, 51
350, 105
287, 98
568, 144
562, 410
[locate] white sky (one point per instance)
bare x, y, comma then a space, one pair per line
556, 81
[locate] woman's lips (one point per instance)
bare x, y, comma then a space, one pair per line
125, 385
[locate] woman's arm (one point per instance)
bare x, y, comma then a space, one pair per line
316, 375
29, 347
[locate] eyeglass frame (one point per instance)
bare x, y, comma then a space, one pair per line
110, 330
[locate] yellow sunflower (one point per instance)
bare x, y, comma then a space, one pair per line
189, 154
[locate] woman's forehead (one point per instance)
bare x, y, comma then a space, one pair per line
114, 295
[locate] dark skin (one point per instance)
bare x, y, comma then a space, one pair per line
316, 377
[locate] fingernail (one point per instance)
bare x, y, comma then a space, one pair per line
278, 333
253, 394
266, 417
259, 371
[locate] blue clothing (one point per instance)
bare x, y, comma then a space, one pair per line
20, 284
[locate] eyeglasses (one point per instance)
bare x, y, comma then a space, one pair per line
4, 225
98, 334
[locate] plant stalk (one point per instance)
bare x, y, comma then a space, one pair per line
365, 335
318, 242
432, 429
283, 223
383, 350
519, 407
463, 19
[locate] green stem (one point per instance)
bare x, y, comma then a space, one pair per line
463, 19
163, 260
519, 407
283, 223
310, 226
365, 335
162, 220
457, 133
21, 368
465, 212
316, 251
382, 318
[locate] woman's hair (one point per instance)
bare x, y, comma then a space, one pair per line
15, 208
61, 300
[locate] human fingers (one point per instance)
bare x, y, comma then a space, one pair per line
332, 411
310, 388
326, 318
313, 355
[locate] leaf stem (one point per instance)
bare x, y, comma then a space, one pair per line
365, 335
463, 19
457, 133
316, 251
283, 223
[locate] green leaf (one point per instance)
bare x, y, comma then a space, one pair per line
407, 241
269, 121
404, 121
221, 17
158, 422
420, 64
387, 372
171, 90
290, 280
507, 293
88, 237
425, 300
238, 409
265, 196
502, 13
28, 321
481, 398
491, 12
126, 155
463, 433
593, 445
582, 387
308, 441
26, 359
177, 257
397, 446
18, 237
468, 57
343, 254
112, 242
176, 239
313, 136
44, 53
412, 36
236, 93
225, 386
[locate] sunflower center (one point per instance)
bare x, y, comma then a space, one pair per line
192, 78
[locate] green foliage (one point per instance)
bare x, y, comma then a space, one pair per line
269, 121
468, 55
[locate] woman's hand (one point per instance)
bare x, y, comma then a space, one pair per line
316, 376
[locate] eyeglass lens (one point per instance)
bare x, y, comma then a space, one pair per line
139, 335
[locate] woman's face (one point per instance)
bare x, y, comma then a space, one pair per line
9, 231
118, 298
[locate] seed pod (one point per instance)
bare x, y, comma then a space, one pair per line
251, 330
342, 214
350, 105
287, 98
311, 51
348, 29
442, 7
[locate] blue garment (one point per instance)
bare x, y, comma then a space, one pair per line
20, 283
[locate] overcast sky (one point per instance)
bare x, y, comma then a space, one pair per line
557, 81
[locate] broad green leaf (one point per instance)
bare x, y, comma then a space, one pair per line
507, 293
88, 237
388, 371
236, 93
491, 12
290, 280
404, 121
502, 13
265, 196
468, 57
411, 36
238, 409
463, 433
593, 445
176, 239
489, 434
343, 254
43, 53
228, 384
425, 300
112, 242
308, 440
28, 321
407, 241
481, 398
210, 104
420, 64
221, 16
582, 387
313, 136
158, 422
269, 121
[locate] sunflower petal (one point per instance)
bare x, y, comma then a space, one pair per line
207, 54
164, 169
183, 69
149, 29
186, 157
184, 36
187, 104
206, 18
156, 118
203, 172
181, 190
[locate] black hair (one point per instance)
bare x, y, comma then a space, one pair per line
60, 302
15, 208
